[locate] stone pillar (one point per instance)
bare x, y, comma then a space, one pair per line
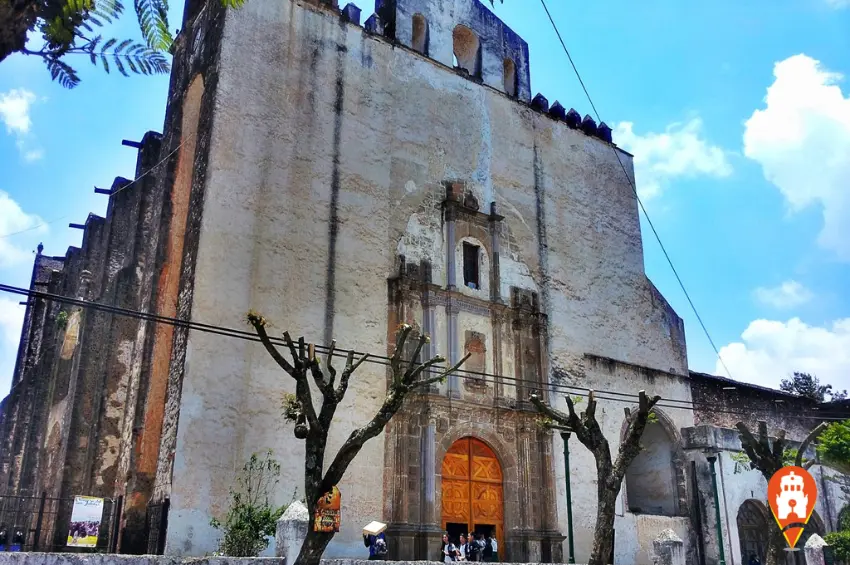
668, 549
814, 549
454, 355
291, 531
496, 279
451, 276
431, 531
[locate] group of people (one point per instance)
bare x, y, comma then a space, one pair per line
470, 548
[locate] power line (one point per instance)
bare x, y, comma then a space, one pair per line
383, 360
131, 183
640, 202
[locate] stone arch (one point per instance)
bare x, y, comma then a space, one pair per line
419, 41
843, 522
752, 521
662, 462
504, 454
472, 486
467, 49
509, 76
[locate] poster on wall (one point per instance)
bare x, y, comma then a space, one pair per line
85, 521
327, 512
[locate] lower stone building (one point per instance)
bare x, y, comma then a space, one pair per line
344, 179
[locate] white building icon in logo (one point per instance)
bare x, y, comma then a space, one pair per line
791, 498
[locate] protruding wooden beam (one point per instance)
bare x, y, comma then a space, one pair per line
77, 226
106, 191
128, 143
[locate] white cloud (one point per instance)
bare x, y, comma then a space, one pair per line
801, 139
15, 113
680, 152
787, 295
771, 350
15, 110
11, 320
12, 220
838, 4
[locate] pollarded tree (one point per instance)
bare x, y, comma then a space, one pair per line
609, 472
313, 427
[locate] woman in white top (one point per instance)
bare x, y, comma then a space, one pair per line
448, 550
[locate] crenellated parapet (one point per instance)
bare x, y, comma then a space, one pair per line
467, 37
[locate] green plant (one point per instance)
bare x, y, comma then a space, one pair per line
251, 517
834, 445
62, 320
840, 542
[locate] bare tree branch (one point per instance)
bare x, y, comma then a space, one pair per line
260, 327
439, 378
630, 447
813, 435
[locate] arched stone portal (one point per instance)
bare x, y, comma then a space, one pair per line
472, 493
752, 530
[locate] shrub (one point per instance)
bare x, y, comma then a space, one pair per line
251, 518
840, 542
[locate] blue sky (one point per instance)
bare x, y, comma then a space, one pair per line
738, 115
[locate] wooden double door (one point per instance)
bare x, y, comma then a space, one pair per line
472, 495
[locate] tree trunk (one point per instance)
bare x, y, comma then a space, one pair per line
776, 543
313, 547
16, 18
603, 532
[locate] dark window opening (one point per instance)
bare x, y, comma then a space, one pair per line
470, 265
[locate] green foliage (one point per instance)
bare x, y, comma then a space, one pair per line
291, 407
153, 22
808, 386
652, 418
743, 463
62, 320
834, 443
840, 542
251, 518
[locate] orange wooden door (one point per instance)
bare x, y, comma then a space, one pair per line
472, 486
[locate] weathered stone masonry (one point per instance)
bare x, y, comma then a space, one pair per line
342, 180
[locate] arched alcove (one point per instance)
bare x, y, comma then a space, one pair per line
509, 77
752, 524
419, 40
472, 492
651, 479
467, 50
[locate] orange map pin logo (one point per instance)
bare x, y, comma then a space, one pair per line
792, 493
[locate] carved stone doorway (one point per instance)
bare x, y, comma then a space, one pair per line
472, 491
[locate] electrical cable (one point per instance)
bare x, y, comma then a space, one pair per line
571, 390
640, 202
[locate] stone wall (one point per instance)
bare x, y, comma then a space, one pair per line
316, 175
723, 402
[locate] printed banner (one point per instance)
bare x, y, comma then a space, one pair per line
327, 512
85, 521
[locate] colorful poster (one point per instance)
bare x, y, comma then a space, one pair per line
85, 521
327, 512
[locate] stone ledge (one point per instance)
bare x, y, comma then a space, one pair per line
23, 558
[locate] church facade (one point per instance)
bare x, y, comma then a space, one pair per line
344, 179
